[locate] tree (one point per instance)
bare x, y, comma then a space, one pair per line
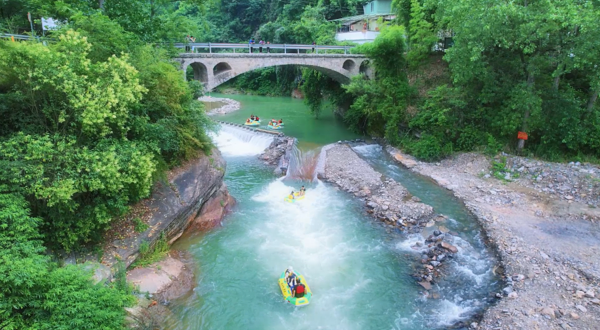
421, 37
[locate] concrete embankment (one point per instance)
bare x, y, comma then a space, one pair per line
545, 229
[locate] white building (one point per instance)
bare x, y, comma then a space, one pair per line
365, 28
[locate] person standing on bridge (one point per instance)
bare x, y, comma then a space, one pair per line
261, 43
314, 44
187, 43
192, 40
268, 48
250, 43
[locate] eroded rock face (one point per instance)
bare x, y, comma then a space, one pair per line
165, 280
175, 205
213, 210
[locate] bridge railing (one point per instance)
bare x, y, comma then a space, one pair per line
17, 36
266, 48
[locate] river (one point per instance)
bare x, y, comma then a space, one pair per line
358, 270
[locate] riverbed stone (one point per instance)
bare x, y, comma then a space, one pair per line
548, 311
448, 247
425, 285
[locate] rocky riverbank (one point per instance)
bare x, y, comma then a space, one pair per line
190, 192
221, 105
384, 198
545, 227
389, 202
158, 284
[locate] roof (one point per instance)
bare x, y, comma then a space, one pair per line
360, 17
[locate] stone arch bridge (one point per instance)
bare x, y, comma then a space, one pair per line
216, 68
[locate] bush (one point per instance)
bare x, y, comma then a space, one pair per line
469, 138
35, 294
428, 148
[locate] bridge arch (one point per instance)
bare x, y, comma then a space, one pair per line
349, 65
200, 72
220, 68
225, 66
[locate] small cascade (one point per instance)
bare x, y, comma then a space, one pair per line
238, 142
303, 164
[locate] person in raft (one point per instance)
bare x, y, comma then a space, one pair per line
280, 121
302, 191
252, 117
290, 278
248, 120
256, 118
291, 196
299, 290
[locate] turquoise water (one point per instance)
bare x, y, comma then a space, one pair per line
359, 271
299, 122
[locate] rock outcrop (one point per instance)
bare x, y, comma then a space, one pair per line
192, 190
158, 284
279, 153
165, 280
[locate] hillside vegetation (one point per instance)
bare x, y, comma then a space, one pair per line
529, 66
90, 120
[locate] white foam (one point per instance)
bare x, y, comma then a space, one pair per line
410, 242
369, 150
239, 142
449, 312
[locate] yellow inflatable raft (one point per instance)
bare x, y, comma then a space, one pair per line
287, 293
297, 197
252, 123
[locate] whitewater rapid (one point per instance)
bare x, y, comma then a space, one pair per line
359, 273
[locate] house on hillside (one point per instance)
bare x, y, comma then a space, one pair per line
364, 28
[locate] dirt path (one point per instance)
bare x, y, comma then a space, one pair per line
548, 239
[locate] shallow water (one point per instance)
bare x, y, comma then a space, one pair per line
358, 270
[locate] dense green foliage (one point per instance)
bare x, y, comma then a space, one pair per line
380, 104
35, 293
90, 119
526, 66
277, 21
82, 138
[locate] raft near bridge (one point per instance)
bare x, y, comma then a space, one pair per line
214, 69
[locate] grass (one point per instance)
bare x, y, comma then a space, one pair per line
151, 254
139, 226
499, 170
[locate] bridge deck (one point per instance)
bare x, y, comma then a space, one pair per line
255, 48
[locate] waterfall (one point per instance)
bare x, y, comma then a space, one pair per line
237, 141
